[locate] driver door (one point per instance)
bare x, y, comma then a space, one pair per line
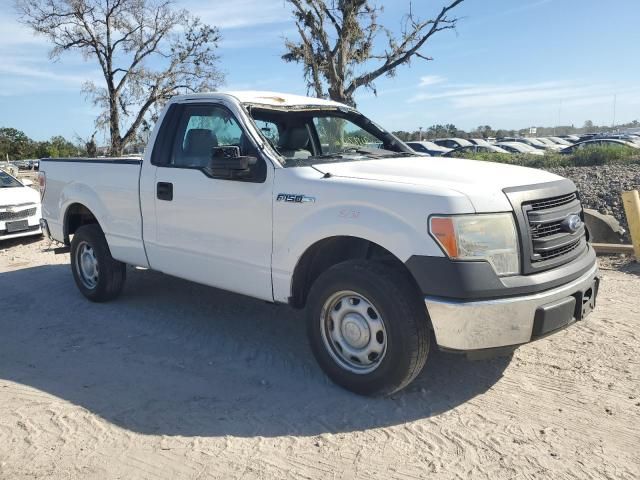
209, 230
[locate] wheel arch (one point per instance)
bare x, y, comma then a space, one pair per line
330, 251
75, 216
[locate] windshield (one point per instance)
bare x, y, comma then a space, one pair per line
518, 147
534, 141
318, 135
7, 181
418, 147
525, 148
495, 149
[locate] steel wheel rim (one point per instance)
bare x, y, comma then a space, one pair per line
353, 332
87, 265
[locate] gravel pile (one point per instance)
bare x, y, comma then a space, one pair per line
600, 187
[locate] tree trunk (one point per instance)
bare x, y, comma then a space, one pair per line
338, 95
114, 127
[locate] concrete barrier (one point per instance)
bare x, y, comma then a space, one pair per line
603, 228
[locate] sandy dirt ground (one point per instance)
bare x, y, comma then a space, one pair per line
175, 380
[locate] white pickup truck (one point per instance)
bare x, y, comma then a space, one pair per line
307, 202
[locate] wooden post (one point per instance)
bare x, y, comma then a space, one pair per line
631, 201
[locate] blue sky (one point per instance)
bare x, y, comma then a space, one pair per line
510, 64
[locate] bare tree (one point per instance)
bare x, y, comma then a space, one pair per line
337, 44
146, 49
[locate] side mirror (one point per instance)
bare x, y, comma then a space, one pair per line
27, 183
226, 162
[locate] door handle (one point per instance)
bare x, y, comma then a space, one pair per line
164, 191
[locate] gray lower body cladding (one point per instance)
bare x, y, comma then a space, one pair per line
464, 280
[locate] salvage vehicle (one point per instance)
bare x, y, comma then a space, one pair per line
281, 198
452, 142
462, 151
429, 148
19, 208
519, 147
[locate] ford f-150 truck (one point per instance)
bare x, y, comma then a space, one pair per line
308, 202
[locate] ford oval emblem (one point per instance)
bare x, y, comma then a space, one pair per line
572, 223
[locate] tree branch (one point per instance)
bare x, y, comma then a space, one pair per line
402, 56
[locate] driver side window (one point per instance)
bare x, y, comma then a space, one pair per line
202, 128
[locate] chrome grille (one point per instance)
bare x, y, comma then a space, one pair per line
20, 215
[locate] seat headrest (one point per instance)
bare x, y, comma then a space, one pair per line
200, 141
294, 138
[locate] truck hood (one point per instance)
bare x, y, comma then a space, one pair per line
18, 196
481, 182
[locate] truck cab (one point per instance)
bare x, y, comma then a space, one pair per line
307, 202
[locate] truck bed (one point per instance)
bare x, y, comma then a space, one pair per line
109, 188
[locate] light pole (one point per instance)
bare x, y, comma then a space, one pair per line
420, 135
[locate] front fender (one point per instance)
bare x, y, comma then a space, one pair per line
393, 215
383, 227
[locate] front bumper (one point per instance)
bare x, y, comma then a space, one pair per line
32, 230
475, 325
30, 225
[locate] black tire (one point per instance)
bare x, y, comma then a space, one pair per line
111, 273
398, 301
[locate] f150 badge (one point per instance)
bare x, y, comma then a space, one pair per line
294, 198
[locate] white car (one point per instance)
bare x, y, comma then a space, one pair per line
519, 147
20, 210
281, 198
429, 148
452, 142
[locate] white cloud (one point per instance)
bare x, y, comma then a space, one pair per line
429, 80
39, 73
493, 96
231, 14
517, 104
265, 37
520, 7
13, 33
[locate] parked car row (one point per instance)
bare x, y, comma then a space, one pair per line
28, 164
567, 144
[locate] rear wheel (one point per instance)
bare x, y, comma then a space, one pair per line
368, 327
97, 274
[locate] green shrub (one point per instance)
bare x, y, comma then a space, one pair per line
604, 155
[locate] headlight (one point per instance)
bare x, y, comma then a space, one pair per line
491, 237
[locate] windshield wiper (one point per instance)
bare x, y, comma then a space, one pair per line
399, 154
325, 156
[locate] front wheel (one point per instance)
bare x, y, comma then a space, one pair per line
97, 274
368, 327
